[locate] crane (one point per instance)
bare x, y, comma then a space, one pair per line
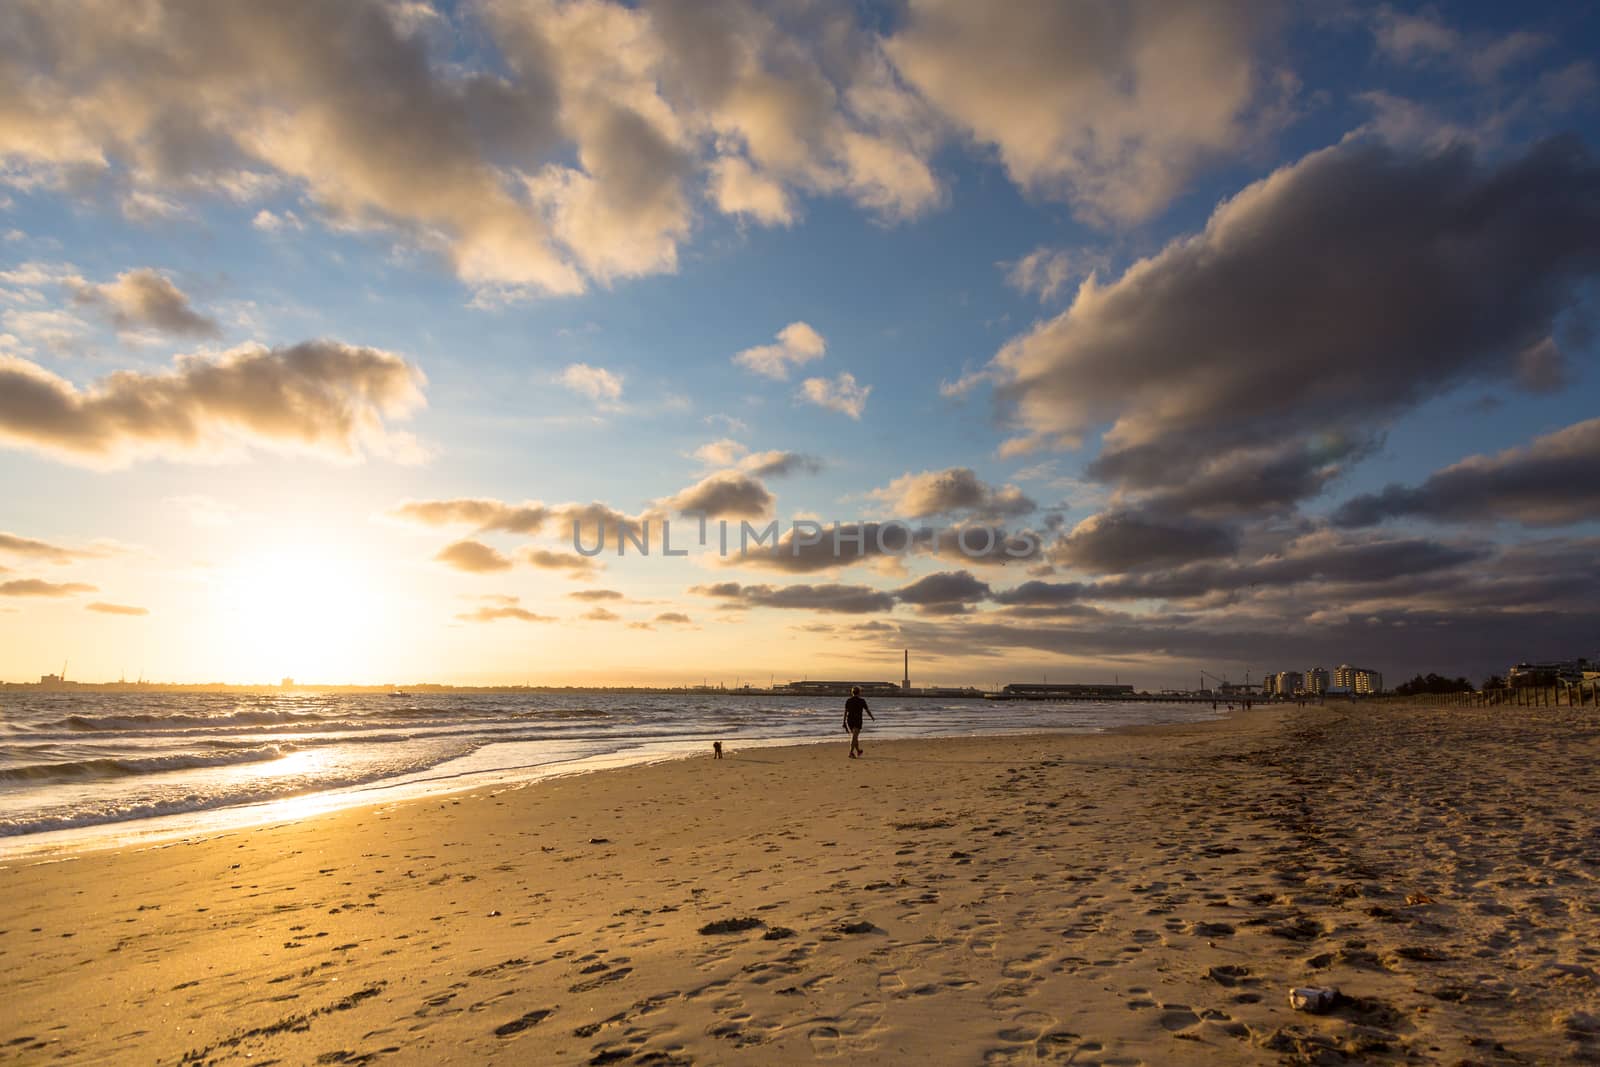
1204, 674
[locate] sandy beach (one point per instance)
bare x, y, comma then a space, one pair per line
1139, 897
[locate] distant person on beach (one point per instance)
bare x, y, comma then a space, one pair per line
852, 719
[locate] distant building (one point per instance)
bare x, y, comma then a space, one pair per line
836, 689
1047, 692
1317, 681
1289, 683
287, 683
1362, 680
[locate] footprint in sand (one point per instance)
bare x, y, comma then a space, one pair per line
1026, 1027
824, 1042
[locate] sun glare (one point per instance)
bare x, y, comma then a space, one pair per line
300, 610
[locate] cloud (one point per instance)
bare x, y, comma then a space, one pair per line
595, 594
545, 559
724, 495
1117, 541
187, 99
487, 516
944, 593
503, 607
272, 223
117, 609
321, 397
1257, 481
1045, 272
779, 464
530, 517
770, 464
846, 599
600, 615
474, 557
723, 453
1422, 39
147, 299
596, 383
27, 546
841, 394
1332, 561
798, 344
796, 97
37, 587
676, 618
1551, 481
883, 543
1109, 104
1434, 270
956, 489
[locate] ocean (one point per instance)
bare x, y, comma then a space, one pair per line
83, 769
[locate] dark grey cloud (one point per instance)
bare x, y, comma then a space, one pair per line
676, 618
1323, 300
801, 552
859, 543
1553, 480
1116, 541
847, 599
1324, 559
318, 396
943, 590
779, 464
1249, 482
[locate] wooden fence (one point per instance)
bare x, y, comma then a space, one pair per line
1569, 694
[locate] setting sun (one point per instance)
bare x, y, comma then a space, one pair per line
301, 609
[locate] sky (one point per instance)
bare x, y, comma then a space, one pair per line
1075, 341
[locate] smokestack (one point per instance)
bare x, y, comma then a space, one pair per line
905, 683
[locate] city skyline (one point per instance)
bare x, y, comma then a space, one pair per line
1231, 333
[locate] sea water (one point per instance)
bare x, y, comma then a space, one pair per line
85, 768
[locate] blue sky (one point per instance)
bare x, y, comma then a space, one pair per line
517, 249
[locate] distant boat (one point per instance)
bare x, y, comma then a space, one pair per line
398, 693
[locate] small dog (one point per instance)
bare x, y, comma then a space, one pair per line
716, 750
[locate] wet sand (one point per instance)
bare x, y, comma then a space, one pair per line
1144, 897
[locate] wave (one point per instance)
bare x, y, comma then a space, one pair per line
76, 770
135, 808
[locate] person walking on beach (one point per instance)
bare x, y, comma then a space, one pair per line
852, 719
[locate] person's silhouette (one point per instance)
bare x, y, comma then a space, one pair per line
853, 709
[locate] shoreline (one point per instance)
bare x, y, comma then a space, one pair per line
1144, 895
150, 830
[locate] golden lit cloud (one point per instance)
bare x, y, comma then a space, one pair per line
38, 587
321, 397
474, 557
116, 609
146, 299
27, 546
